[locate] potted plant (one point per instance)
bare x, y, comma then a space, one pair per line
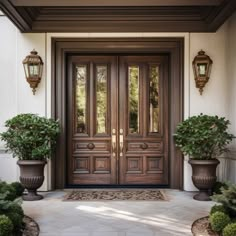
203, 138
31, 139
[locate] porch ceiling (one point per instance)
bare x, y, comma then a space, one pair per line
118, 15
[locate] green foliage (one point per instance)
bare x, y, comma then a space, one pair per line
14, 211
18, 188
203, 137
230, 230
6, 226
7, 192
218, 221
9, 204
218, 187
16, 219
7, 207
30, 137
10, 191
218, 208
16, 208
227, 198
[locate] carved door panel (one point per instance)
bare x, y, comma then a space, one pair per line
117, 120
92, 112
143, 109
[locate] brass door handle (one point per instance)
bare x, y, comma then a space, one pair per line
114, 142
121, 142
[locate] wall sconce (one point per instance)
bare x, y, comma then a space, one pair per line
202, 68
33, 66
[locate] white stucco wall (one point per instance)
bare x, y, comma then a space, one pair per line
214, 99
16, 96
8, 87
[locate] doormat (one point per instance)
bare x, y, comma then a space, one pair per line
118, 195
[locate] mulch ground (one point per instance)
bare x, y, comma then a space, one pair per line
31, 227
201, 227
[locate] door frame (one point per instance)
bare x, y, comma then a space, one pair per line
61, 47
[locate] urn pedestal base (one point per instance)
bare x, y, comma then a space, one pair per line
32, 196
202, 196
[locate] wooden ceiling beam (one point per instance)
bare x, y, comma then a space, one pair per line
223, 12
95, 3
118, 26
169, 16
22, 24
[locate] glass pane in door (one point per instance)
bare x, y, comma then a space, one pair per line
101, 94
154, 99
133, 77
81, 98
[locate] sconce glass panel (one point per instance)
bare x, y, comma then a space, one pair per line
202, 69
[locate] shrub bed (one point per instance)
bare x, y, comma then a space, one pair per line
222, 217
11, 212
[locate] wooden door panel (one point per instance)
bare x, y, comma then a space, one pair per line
144, 119
134, 165
94, 169
81, 165
91, 106
117, 120
156, 147
89, 147
154, 164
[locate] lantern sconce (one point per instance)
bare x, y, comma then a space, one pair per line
202, 64
33, 67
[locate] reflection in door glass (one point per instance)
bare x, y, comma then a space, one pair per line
154, 98
81, 97
101, 93
133, 75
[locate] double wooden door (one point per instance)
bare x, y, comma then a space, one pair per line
117, 120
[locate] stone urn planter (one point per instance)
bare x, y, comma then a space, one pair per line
31, 177
203, 138
204, 177
32, 139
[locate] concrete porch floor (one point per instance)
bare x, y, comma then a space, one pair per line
117, 218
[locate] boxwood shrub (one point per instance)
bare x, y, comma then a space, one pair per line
10, 207
218, 221
6, 226
230, 230
218, 208
18, 188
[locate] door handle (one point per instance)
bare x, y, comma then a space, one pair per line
91, 146
121, 142
113, 142
144, 146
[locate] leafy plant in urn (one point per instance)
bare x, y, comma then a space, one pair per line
31, 139
203, 138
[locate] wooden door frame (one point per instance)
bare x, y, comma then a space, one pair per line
174, 47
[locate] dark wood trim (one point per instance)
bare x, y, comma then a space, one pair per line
9, 10
61, 47
120, 16
222, 12
116, 3
109, 25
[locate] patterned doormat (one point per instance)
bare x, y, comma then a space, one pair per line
118, 195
